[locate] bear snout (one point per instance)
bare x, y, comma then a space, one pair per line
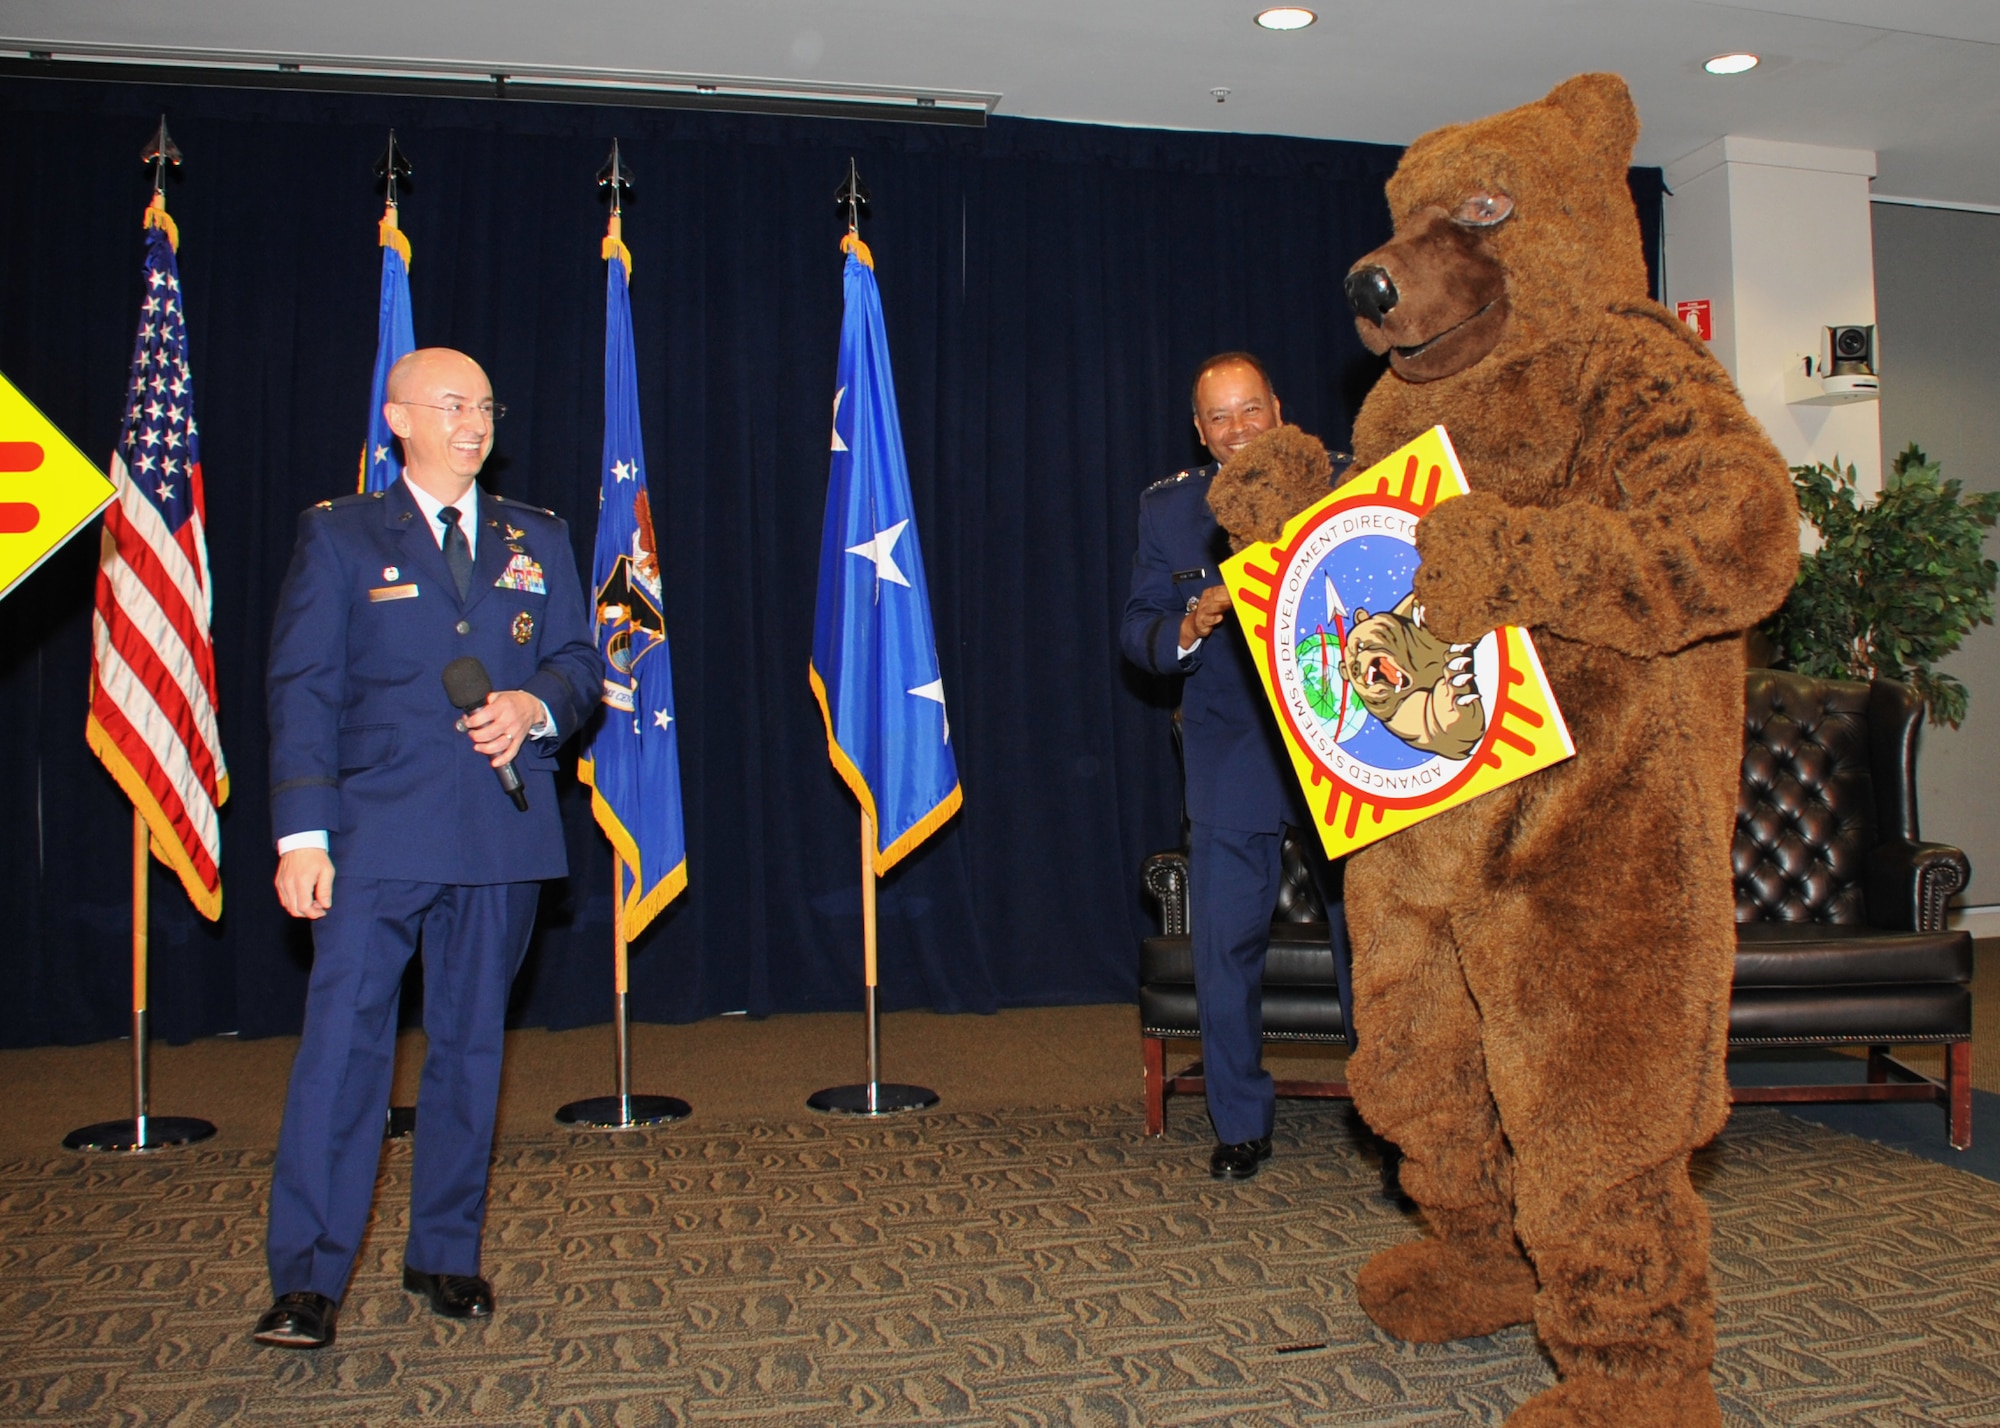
1433, 299
1371, 292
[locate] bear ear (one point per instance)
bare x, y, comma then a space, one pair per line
1601, 107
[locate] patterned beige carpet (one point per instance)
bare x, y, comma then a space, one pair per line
1038, 1268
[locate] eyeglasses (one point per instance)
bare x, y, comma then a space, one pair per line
492, 411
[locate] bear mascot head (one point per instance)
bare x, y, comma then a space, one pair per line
1542, 974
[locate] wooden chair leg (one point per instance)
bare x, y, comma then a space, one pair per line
1878, 1065
1958, 1087
1154, 1051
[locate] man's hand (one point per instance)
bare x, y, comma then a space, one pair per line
1200, 622
305, 882
499, 729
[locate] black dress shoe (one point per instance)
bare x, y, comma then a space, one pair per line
1239, 1161
456, 1296
300, 1320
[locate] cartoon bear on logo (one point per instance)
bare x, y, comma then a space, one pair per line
1542, 975
1420, 687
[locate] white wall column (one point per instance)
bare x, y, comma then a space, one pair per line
1777, 237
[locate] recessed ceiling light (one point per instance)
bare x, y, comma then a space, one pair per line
1731, 64
1286, 17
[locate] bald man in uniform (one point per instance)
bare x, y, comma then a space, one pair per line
394, 832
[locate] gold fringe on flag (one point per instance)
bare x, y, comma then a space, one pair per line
614, 247
389, 235
158, 217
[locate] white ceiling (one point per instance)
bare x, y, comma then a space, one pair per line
1918, 81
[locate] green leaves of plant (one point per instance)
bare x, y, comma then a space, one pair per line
1894, 586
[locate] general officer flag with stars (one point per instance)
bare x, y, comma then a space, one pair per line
395, 338
874, 664
631, 757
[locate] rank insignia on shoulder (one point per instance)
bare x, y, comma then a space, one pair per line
325, 505
523, 572
524, 628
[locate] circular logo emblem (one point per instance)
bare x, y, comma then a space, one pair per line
1374, 698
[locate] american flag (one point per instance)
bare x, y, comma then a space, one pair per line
152, 685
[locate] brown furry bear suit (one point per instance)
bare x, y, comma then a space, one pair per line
1542, 975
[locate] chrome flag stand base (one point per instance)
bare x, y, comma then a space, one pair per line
874, 1097
145, 1133
140, 1132
623, 1111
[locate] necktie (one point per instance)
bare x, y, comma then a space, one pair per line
457, 551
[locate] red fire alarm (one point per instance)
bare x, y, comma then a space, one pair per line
1694, 312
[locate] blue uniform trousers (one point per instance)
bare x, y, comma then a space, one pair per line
473, 937
1233, 880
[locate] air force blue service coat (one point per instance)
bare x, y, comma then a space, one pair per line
1238, 774
363, 742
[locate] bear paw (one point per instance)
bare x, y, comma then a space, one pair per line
1432, 1291
1594, 1401
1267, 483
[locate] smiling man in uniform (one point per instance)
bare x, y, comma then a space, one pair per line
393, 831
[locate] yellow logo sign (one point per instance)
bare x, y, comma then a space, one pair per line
48, 489
1386, 723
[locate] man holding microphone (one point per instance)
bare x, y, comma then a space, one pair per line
410, 791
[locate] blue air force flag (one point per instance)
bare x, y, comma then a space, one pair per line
874, 664
631, 757
395, 338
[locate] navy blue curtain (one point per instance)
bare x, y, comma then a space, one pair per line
1049, 289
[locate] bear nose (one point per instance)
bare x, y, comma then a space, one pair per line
1371, 292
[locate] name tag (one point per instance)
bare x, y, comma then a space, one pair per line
522, 573
393, 592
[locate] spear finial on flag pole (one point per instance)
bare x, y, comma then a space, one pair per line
393, 167
852, 197
617, 180
160, 151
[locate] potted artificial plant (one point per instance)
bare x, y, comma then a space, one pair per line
1894, 586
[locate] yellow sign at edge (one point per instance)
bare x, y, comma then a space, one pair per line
49, 490
1525, 729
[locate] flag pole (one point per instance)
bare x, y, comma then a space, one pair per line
875, 1097
868, 968
393, 167
143, 1131
623, 1111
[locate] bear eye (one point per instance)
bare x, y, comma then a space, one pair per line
1482, 210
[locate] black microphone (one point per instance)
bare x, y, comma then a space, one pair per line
466, 684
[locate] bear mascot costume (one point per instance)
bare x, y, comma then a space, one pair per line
1542, 975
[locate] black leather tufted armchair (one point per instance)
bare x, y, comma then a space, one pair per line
1840, 907
1840, 910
